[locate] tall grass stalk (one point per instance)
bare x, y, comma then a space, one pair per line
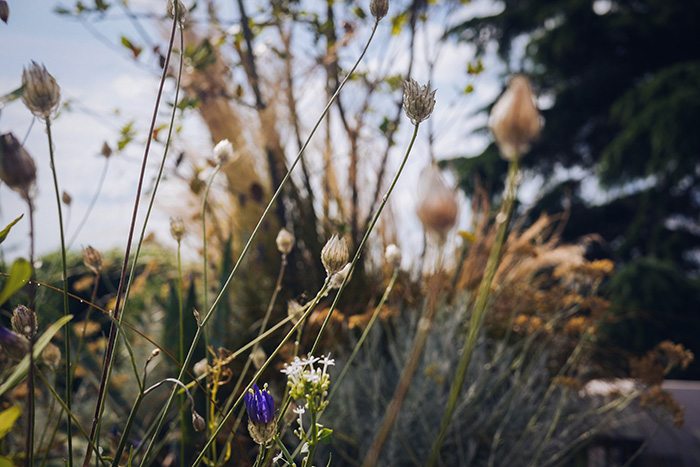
69, 374
253, 234
477, 318
361, 248
109, 354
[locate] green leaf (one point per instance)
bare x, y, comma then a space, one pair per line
11, 96
6, 462
6, 230
7, 420
22, 367
19, 275
325, 435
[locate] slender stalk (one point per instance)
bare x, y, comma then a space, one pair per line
109, 354
69, 429
181, 350
91, 205
29, 452
477, 317
361, 248
394, 408
248, 244
32, 283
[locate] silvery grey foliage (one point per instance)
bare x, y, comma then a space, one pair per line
505, 385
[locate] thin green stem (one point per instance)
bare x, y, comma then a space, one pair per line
361, 248
29, 452
309, 461
109, 353
475, 323
181, 350
127, 429
262, 368
248, 244
67, 332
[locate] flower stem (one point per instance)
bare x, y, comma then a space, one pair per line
109, 353
361, 248
477, 318
69, 373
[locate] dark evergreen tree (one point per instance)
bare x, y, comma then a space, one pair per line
624, 77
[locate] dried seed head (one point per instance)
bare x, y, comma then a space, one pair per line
93, 259
177, 228
106, 151
41, 92
181, 10
198, 421
437, 205
200, 368
66, 198
418, 101
17, 168
13, 344
51, 355
285, 241
24, 321
515, 121
334, 255
295, 310
223, 151
392, 254
379, 8
4, 11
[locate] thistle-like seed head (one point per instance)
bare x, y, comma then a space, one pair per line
392, 254
51, 355
66, 198
106, 151
181, 11
177, 228
515, 121
223, 151
17, 168
41, 92
334, 255
437, 206
379, 8
24, 321
93, 259
4, 11
418, 101
285, 241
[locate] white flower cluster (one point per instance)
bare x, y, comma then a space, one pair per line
308, 382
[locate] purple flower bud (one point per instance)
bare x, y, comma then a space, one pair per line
14, 345
260, 405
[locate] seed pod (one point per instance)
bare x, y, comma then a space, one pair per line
223, 151
4, 11
418, 101
334, 255
24, 321
17, 168
285, 241
515, 121
392, 254
437, 206
379, 8
93, 259
41, 92
177, 228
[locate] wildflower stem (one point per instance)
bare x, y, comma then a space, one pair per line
32, 283
69, 429
181, 351
361, 248
246, 248
109, 353
477, 318
29, 454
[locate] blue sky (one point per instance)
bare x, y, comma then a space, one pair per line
106, 90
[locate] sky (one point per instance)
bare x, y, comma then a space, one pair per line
105, 90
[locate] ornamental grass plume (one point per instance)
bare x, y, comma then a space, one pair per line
17, 168
515, 121
41, 92
418, 101
260, 406
437, 206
